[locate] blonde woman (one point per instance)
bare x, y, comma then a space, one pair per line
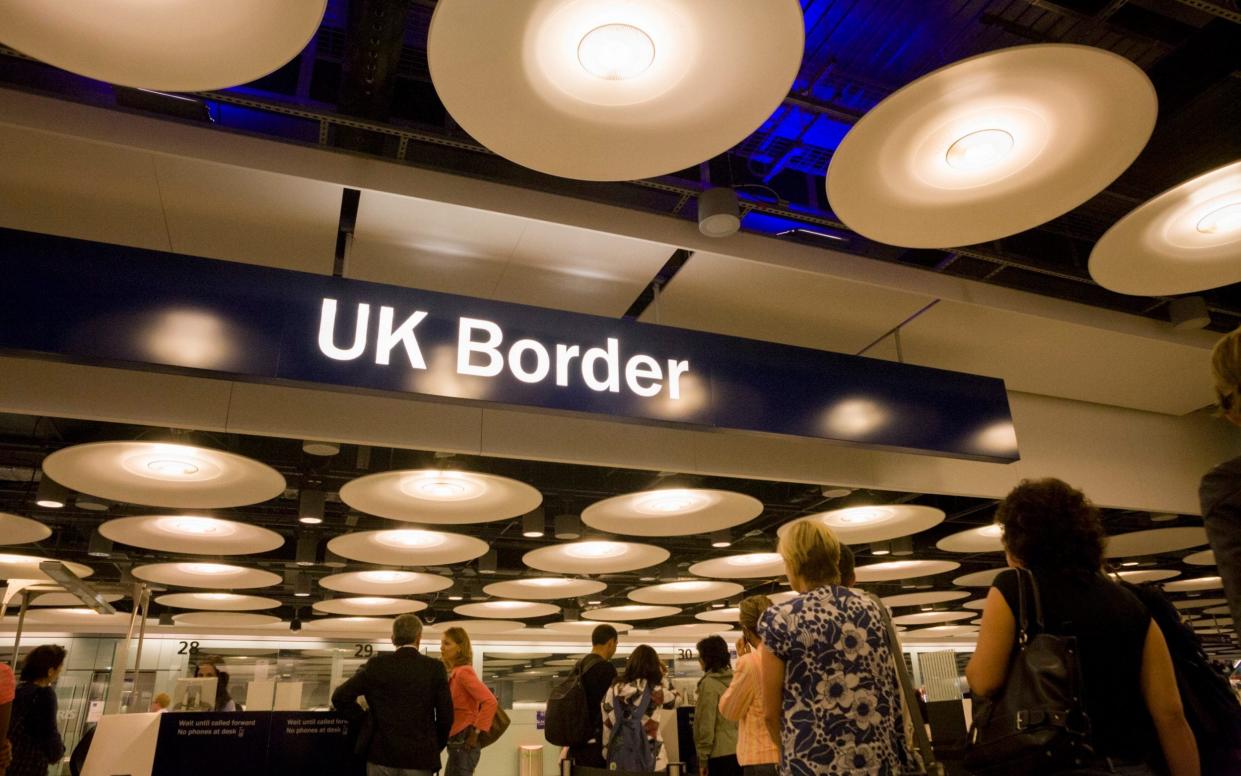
742, 702
1220, 491
831, 695
473, 705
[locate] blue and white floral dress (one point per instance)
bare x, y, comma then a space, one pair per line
841, 706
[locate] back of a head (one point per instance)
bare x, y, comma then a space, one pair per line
1051, 526
713, 652
162, 700
643, 664
811, 551
1226, 369
42, 660
751, 610
602, 634
406, 630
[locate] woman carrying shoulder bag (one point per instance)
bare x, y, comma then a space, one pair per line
473, 706
1054, 536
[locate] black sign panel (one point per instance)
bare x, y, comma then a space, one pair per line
255, 743
107, 304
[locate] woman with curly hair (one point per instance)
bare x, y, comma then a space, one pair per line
1129, 687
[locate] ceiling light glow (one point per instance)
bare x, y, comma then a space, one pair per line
616, 52
1224, 220
386, 577
410, 539
754, 559
670, 502
858, 516
219, 596
979, 150
686, 587
442, 486
196, 526
206, 569
991, 531
549, 582
172, 468
595, 550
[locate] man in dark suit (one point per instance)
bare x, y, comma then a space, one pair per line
410, 705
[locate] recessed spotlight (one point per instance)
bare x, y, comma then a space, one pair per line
308, 520
51, 494
1224, 220
616, 52
979, 150
721, 539
1131, 563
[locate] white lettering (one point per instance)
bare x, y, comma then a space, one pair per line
675, 370
564, 358
611, 360
466, 347
643, 368
388, 338
327, 330
542, 362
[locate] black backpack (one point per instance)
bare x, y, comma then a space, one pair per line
1213, 712
569, 721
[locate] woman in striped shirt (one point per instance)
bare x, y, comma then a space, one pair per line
742, 702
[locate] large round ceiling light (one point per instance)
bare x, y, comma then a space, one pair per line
206, 575
595, 557
1154, 541
545, 588
986, 538
630, 613
859, 525
501, 610
408, 547
672, 512
27, 567
922, 618
475, 627
369, 606
979, 578
613, 89
164, 475
754, 565
386, 582
695, 591
583, 627
730, 614
214, 619
893, 570
15, 529
218, 602
923, 599
1195, 585
172, 45
440, 497
191, 535
1186, 239
376, 625
991, 145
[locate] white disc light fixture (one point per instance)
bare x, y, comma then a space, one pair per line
172, 45
408, 547
224, 620
689, 591
978, 578
893, 570
923, 618
1203, 558
1194, 585
161, 474
923, 599
502, 610
753, 565
943, 632
476, 627
595, 557
15, 529
630, 613
613, 89
858, 525
206, 575
440, 496
68, 600
729, 614
1155, 541
545, 588
991, 146
1139, 576
672, 512
191, 534
369, 606
1186, 239
376, 625
386, 582
27, 567
691, 630
217, 602
987, 538
583, 627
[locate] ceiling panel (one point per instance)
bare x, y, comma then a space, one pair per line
76, 188
1054, 358
238, 214
442, 247
744, 298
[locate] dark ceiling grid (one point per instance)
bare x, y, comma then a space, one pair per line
25, 441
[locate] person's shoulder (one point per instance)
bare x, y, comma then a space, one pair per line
1220, 484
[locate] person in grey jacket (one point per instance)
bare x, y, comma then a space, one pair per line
715, 736
1220, 491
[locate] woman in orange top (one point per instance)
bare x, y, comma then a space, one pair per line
742, 702
473, 705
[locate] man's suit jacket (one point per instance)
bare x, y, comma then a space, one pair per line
410, 705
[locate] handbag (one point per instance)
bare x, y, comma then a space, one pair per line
499, 724
1037, 723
